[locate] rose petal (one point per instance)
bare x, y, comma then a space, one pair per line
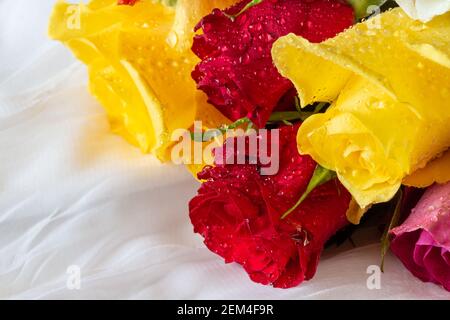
437, 268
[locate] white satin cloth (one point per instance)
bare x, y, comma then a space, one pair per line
424, 10
73, 194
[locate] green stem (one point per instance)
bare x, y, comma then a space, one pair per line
395, 219
320, 107
285, 116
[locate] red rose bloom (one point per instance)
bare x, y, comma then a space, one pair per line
237, 72
238, 211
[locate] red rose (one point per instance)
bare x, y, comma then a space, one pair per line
237, 72
237, 211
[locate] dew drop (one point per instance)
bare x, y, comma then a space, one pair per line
172, 39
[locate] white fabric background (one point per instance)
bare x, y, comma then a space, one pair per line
424, 10
72, 193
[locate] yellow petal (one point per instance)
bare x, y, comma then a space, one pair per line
355, 212
189, 13
139, 62
389, 81
436, 171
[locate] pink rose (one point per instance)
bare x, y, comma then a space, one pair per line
422, 243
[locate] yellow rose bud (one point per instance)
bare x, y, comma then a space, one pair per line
388, 80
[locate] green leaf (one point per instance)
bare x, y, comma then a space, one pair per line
320, 177
248, 6
395, 219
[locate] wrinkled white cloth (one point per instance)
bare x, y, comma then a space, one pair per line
73, 194
424, 10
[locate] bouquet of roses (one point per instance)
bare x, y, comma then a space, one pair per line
298, 117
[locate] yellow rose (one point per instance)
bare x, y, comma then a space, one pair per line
139, 63
388, 80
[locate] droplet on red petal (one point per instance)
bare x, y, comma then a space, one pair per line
126, 2
254, 87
